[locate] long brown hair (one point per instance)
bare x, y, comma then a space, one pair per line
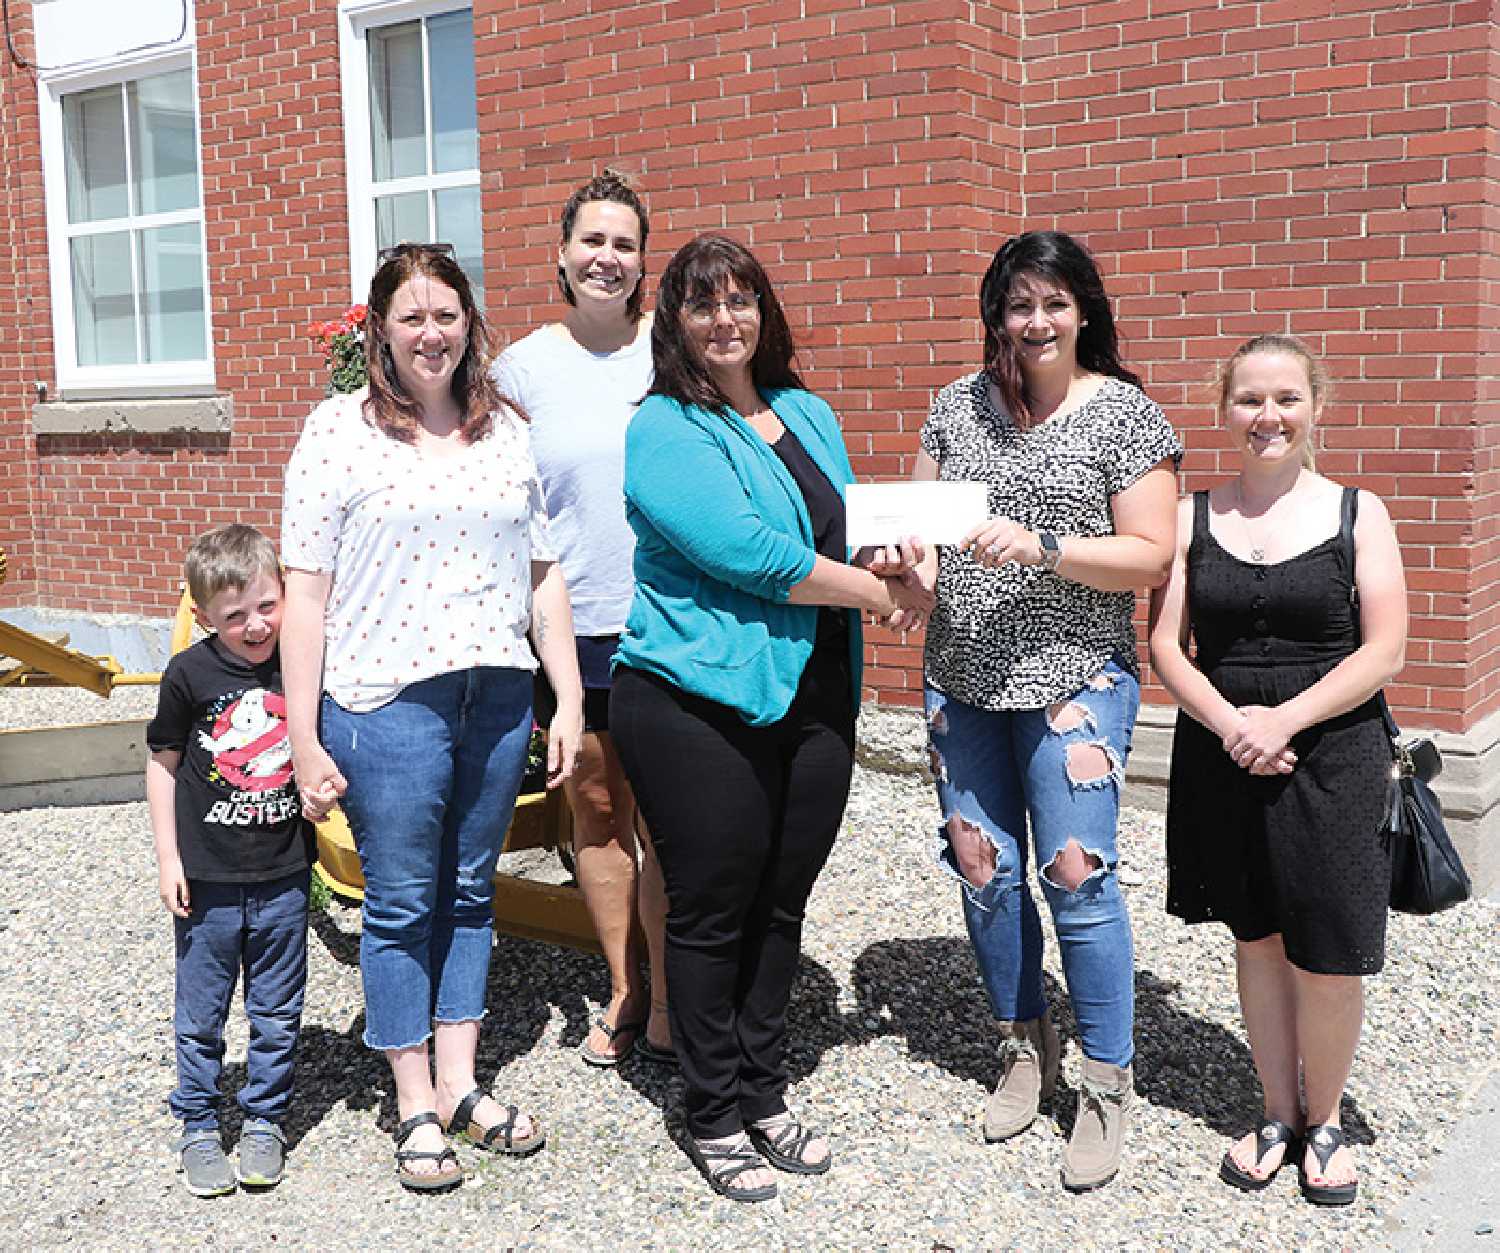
389, 405
1062, 259
701, 268
1286, 346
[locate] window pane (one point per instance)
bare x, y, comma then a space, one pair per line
401, 220
397, 120
458, 224
163, 143
103, 307
455, 135
172, 293
94, 144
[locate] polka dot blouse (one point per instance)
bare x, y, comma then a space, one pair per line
431, 558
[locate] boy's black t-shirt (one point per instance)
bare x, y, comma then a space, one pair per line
238, 816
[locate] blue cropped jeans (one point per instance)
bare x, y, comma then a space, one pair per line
433, 777
1061, 767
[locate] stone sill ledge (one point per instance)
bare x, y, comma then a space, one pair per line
212, 415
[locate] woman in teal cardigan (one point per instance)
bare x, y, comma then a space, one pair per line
736, 687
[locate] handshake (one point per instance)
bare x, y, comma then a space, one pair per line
906, 592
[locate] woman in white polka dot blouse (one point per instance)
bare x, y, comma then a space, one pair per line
417, 557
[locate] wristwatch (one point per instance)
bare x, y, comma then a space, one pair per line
1051, 550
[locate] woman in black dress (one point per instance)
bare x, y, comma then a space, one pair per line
1280, 760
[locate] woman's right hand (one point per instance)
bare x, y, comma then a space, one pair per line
319, 783
1246, 752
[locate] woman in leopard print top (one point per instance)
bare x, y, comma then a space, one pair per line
1031, 673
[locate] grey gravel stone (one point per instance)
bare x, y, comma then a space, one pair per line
891, 1052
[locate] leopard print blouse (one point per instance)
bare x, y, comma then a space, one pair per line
1020, 637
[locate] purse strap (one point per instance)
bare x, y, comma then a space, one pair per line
1348, 512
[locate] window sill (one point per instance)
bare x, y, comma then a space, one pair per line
197, 414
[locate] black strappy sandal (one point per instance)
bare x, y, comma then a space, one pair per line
722, 1164
1267, 1137
784, 1145
500, 1138
1323, 1143
440, 1180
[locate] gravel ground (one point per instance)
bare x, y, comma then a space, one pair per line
892, 1053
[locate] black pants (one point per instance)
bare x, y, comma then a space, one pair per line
743, 819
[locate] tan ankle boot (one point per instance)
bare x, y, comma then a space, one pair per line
1105, 1096
1029, 1054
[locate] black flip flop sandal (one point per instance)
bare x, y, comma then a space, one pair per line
649, 1052
1324, 1142
440, 1180
1267, 1137
635, 1031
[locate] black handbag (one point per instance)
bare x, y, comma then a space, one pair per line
1427, 874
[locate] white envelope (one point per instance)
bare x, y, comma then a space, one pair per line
936, 512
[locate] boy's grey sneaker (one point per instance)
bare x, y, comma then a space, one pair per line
200, 1158
262, 1154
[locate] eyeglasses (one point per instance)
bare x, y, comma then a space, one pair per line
742, 306
403, 249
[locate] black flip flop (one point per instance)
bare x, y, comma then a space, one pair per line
1267, 1137
635, 1030
647, 1051
1324, 1142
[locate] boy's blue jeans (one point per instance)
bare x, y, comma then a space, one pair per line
1061, 767
433, 778
260, 928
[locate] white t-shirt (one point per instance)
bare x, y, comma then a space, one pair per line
431, 557
580, 403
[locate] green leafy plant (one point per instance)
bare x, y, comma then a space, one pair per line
319, 895
342, 342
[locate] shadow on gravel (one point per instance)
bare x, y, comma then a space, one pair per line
1186, 1063
333, 1068
929, 992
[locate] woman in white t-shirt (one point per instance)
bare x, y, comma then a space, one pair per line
417, 562
579, 380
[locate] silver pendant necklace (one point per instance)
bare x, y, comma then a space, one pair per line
1257, 550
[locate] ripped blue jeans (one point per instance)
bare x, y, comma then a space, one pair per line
1061, 766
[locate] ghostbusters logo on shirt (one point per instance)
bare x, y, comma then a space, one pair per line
251, 751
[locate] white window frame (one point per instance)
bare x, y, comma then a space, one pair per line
357, 18
147, 378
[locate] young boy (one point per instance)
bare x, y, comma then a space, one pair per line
232, 855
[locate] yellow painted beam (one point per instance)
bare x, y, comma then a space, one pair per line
96, 674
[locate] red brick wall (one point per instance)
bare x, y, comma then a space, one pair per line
1318, 166
1321, 167
25, 312
868, 152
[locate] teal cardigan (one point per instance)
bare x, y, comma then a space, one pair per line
722, 536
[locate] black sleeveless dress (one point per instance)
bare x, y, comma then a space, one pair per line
1299, 854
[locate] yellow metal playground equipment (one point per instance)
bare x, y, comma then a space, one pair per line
552, 913
43, 662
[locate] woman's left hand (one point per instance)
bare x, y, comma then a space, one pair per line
999, 540
1261, 742
564, 742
